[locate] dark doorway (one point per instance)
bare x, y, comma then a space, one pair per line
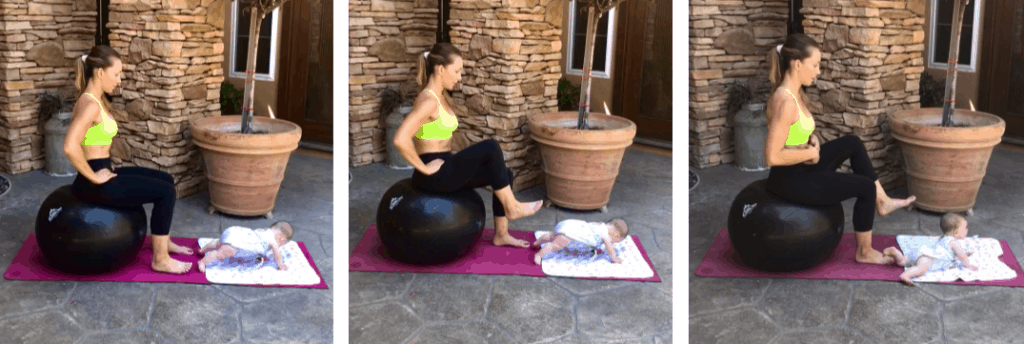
443, 29
1001, 83
642, 90
305, 90
796, 19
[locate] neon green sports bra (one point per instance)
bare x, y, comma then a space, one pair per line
800, 132
102, 133
442, 127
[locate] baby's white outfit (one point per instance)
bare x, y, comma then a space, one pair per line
590, 234
248, 242
942, 254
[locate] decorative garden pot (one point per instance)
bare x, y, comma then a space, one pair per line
580, 166
57, 163
945, 165
245, 171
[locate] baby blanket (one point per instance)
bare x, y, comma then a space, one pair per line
578, 260
231, 271
986, 257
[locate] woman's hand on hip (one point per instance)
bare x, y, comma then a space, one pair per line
433, 166
104, 175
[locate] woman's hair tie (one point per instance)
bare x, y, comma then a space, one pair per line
84, 56
779, 48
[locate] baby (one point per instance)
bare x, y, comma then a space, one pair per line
248, 244
941, 255
592, 234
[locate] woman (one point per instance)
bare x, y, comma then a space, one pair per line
424, 139
87, 146
804, 171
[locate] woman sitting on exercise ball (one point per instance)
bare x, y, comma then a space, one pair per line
424, 139
802, 169
87, 146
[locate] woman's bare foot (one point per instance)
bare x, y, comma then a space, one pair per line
175, 248
170, 265
502, 240
887, 205
521, 210
906, 280
895, 253
873, 257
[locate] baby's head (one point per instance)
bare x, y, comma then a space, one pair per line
621, 229
284, 231
953, 224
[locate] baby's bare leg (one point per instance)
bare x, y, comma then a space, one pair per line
556, 244
211, 246
221, 253
544, 238
922, 266
895, 253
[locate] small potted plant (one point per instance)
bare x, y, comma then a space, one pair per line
750, 126
395, 104
230, 99
568, 96
55, 108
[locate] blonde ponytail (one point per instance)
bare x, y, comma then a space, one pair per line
421, 75
80, 82
775, 68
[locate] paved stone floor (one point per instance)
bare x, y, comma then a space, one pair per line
766, 310
447, 308
111, 313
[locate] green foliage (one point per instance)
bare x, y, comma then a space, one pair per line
932, 91
568, 96
230, 99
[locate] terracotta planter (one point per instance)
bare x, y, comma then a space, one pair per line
945, 166
580, 166
244, 171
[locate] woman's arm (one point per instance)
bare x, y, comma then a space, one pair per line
86, 112
419, 116
783, 115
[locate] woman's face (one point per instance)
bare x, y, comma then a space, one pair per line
109, 77
808, 69
451, 74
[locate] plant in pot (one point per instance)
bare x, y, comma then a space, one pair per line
946, 150
568, 96
230, 99
395, 104
246, 156
581, 151
749, 124
55, 109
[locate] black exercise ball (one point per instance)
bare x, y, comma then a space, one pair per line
79, 237
424, 228
772, 234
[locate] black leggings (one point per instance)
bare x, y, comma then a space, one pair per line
821, 184
132, 186
476, 166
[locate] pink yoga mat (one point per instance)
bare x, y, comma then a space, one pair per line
721, 261
29, 265
483, 259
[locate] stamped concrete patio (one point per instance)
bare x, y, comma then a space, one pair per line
449, 308
767, 310
111, 313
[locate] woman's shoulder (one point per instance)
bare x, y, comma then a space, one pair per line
781, 106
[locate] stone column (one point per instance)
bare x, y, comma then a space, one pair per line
38, 45
511, 51
729, 41
384, 39
173, 50
872, 60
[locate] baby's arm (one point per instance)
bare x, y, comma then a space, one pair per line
958, 249
611, 251
277, 256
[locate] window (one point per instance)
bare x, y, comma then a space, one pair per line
265, 54
941, 29
578, 41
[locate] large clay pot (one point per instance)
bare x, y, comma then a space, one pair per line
945, 165
245, 171
580, 166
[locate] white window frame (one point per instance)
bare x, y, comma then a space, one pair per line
971, 68
234, 41
572, 38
